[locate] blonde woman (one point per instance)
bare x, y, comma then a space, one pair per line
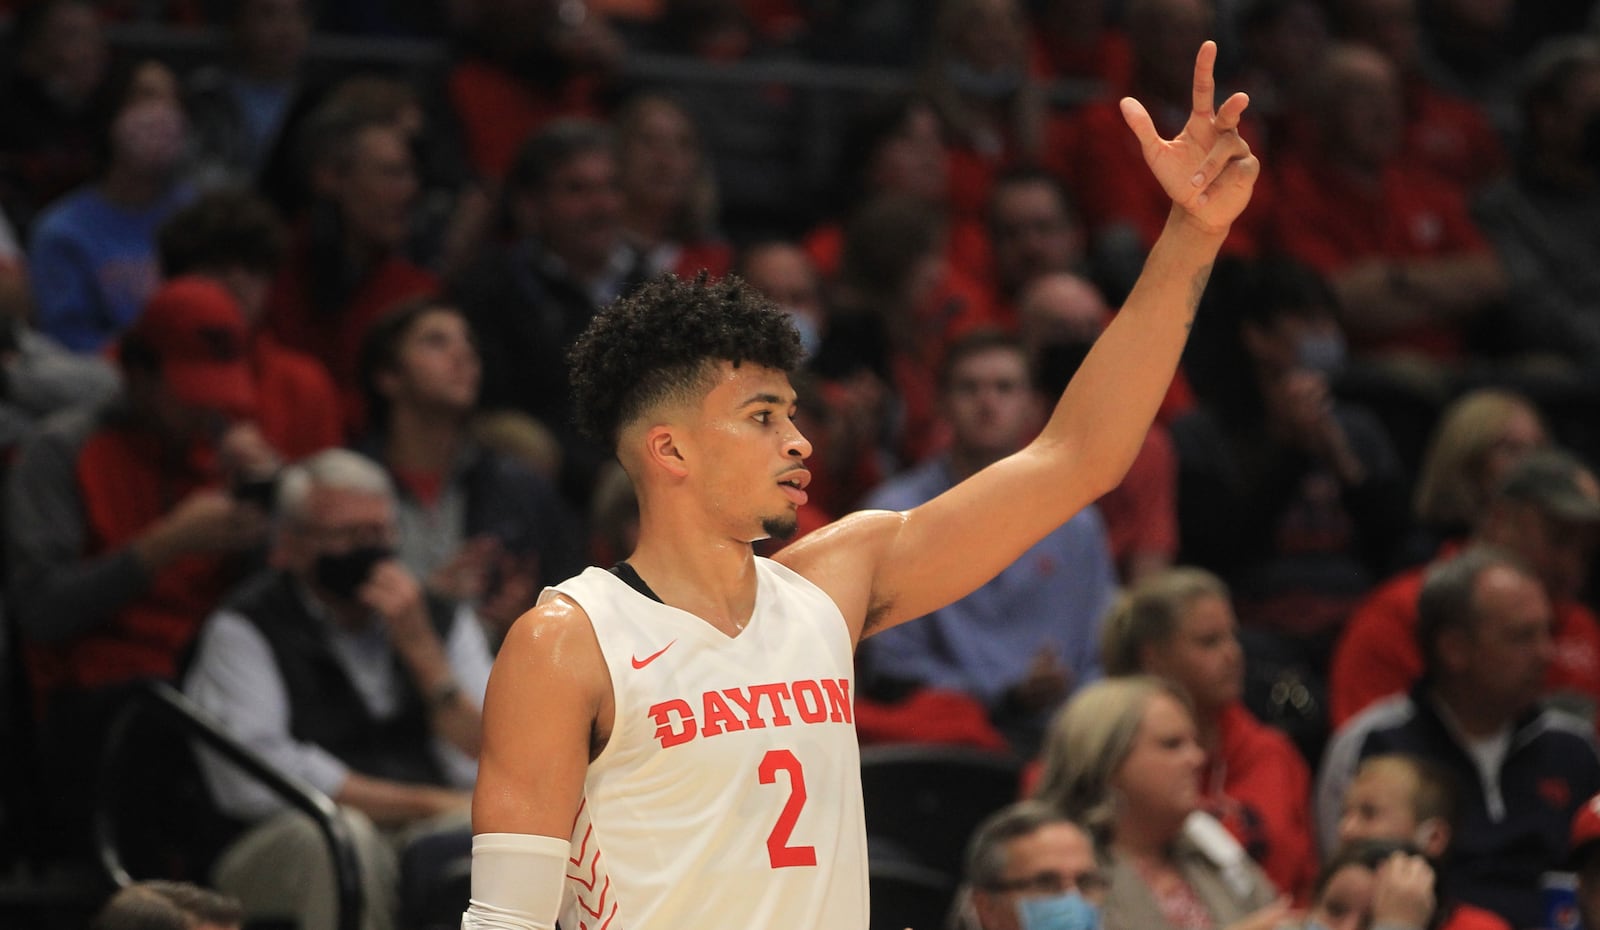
1179, 624
1477, 440
1124, 759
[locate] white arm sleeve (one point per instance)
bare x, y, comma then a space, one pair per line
517, 879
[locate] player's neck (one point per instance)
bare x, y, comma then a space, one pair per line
710, 577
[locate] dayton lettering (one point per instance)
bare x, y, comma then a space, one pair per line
756, 707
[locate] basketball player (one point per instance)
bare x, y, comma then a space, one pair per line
670, 744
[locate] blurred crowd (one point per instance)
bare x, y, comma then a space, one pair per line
286, 288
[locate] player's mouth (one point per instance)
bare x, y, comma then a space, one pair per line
794, 483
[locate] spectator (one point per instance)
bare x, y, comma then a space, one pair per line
241, 104
1179, 625
897, 146
1123, 759
1544, 220
93, 253
1547, 514
1411, 271
896, 308
1475, 443
476, 525
522, 65
1293, 498
785, 274
1283, 42
166, 905
1484, 626
39, 375
1026, 639
1474, 50
235, 239
1375, 883
346, 263
976, 74
336, 667
50, 104
669, 191
1403, 799
1033, 230
528, 300
1080, 40
1028, 865
1446, 135
1061, 315
120, 530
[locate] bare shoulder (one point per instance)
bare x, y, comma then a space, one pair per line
547, 711
554, 643
842, 559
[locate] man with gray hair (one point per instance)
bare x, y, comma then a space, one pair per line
337, 667
1028, 865
1484, 628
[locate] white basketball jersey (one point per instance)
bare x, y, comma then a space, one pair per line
729, 794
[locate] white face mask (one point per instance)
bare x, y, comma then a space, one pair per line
1066, 911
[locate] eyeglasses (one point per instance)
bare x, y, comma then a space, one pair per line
1088, 884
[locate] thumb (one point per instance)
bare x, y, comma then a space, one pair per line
1138, 120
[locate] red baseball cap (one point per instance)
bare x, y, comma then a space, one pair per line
195, 329
1585, 831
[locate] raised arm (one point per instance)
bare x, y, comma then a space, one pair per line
885, 568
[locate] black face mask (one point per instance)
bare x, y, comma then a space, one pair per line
342, 574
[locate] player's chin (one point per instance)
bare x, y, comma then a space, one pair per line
782, 528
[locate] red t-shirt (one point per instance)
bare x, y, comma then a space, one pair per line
297, 406
335, 339
125, 484
1328, 220
1451, 137
499, 110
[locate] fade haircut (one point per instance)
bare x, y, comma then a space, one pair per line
661, 342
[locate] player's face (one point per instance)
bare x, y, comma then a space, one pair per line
1203, 654
747, 453
1379, 806
1161, 775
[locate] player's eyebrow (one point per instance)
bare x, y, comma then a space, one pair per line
766, 399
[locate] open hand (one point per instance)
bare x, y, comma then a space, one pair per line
1207, 168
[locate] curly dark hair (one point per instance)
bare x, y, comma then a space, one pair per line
659, 342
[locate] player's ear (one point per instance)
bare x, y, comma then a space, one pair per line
662, 450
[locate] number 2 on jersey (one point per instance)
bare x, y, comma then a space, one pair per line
779, 851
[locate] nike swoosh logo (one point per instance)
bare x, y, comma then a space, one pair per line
641, 663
